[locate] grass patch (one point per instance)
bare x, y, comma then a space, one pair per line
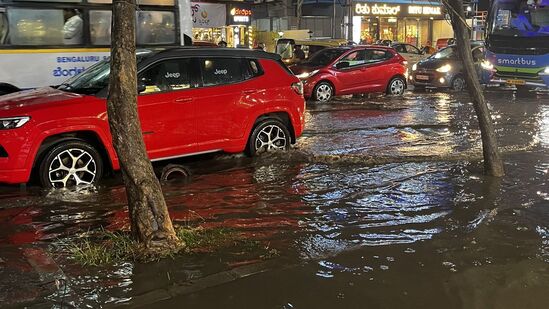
102, 248
199, 238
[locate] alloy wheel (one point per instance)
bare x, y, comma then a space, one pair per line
270, 138
396, 87
323, 92
458, 84
71, 167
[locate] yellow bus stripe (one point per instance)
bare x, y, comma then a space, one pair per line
53, 50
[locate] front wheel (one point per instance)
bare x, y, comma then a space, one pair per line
71, 163
458, 83
323, 92
396, 86
269, 135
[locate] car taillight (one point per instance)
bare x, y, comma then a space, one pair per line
298, 88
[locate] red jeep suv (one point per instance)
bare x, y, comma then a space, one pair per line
352, 70
191, 101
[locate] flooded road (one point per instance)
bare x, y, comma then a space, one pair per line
381, 204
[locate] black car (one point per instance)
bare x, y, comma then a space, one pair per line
444, 69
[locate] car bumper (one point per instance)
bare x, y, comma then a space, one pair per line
430, 79
308, 87
14, 167
543, 82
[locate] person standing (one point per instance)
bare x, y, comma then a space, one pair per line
73, 27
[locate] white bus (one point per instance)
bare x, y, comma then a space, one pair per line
43, 43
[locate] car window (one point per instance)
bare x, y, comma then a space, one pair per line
355, 58
377, 55
478, 54
400, 48
221, 71
412, 49
167, 75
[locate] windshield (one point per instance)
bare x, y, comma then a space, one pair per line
520, 18
93, 79
446, 53
285, 49
90, 81
325, 56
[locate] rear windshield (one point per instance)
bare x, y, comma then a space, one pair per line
325, 56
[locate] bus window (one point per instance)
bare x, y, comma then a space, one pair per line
35, 27
155, 27
100, 27
139, 2
3, 28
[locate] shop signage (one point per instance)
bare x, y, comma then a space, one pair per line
208, 15
424, 10
377, 9
240, 15
387, 9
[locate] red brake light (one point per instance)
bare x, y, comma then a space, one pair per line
298, 88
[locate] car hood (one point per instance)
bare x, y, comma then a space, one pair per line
35, 98
433, 64
302, 68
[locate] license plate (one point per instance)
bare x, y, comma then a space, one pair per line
516, 82
422, 77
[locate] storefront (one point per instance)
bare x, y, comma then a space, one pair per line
407, 22
239, 29
215, 22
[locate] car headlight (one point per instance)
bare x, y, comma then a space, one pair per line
13, 122
487, 65
306, 75
546, 71
445, 68
414, 67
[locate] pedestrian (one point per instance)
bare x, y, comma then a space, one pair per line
299, 54
73, 27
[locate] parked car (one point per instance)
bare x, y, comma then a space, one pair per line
352, 70
444, 42
444, 69
296, 51
411, 53
191, 101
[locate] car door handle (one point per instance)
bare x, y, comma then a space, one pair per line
249, 91
183, 100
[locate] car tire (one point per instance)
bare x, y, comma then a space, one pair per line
458, 84
323, 92
268, 135
396, 86
60, 165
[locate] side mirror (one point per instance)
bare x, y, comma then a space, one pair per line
141, 86
342, 65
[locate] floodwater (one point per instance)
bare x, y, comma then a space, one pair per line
381, 204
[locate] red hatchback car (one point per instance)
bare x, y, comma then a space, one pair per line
191, 101
352, 70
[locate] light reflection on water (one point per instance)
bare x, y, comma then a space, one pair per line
389, 224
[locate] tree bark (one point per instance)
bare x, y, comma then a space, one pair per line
299, 13
493, 165
150, 222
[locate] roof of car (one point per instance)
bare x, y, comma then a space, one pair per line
217, 52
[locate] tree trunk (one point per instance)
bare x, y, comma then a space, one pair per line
150, 222
493, 165
299, 13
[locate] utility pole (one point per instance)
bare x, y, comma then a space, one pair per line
334, 20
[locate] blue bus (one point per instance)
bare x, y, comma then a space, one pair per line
517, 44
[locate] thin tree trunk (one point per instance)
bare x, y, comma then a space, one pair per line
150, 222
299, 13
493, 165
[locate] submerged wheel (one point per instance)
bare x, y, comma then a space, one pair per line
268, 135
458, 83
396, 86
323, 92
71, 163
